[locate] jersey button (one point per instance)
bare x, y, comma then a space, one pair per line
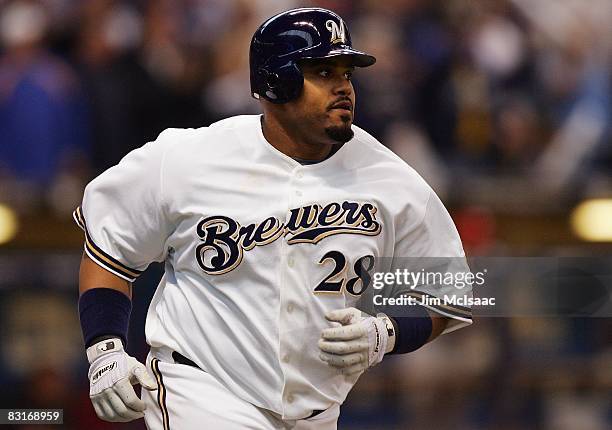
299, 175
290, 262
286, 358
298, 193
290, 307
290, 398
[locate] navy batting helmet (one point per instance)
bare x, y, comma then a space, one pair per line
296, 34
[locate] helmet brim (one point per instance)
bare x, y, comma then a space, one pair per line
360, 59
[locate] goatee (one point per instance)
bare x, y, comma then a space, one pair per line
340, 134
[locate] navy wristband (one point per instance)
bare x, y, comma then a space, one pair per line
411, 332
104, 312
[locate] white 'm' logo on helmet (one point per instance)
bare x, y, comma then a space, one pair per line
337, 31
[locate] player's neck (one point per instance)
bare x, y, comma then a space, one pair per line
292, 144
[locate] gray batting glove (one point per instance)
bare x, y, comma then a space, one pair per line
356, 341
112, 372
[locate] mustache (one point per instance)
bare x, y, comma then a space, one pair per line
343, 102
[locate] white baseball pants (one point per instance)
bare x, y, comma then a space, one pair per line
189, 398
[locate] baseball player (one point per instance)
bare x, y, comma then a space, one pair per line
269, 227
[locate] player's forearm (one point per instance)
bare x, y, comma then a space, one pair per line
104, 303
104, 310
415, 330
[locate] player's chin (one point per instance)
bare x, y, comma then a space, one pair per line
339, 133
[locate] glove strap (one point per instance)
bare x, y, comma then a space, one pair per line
390, 332
104, 347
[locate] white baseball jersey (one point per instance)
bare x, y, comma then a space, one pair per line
258, 247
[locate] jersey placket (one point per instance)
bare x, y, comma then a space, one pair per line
290, 311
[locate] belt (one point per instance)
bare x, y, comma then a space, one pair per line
315, 413
181, 359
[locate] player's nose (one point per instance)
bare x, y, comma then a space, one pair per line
342, 87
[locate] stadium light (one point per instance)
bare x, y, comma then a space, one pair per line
591, 220
9, 224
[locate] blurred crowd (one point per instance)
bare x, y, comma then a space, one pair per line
501, 104
480, 94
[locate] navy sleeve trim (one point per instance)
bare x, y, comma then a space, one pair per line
102, 258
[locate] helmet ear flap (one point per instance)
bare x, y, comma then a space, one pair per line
283, 85
268, 84
272, 80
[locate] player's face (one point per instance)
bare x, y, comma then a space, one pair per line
327, 103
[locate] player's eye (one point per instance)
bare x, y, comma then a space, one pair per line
348, 75
325, 73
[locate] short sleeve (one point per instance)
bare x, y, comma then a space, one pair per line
123, 212
432, 250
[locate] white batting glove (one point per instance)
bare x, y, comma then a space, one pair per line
356, 341
111, 375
